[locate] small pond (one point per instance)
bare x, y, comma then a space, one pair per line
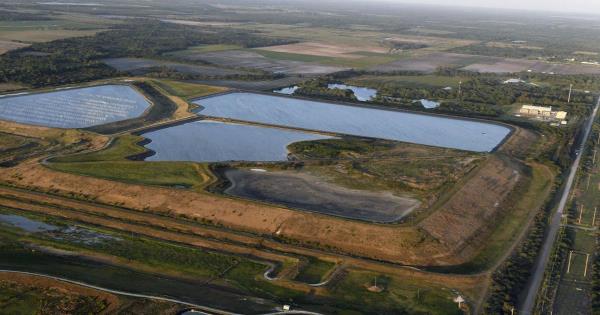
362, 94
26, 224
427, 103
287, 90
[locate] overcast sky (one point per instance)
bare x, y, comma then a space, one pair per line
584, 6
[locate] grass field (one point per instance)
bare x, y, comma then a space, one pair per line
112, 164
372, 59
314, 271
408, 80
188, 90
118, 150
172, 174
17, 298
403, 295
510, 224
202, 49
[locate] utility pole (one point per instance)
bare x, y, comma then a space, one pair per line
580, 214
570, 90
460, 90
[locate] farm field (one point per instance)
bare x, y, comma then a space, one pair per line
429, 63
254, 59
138, 66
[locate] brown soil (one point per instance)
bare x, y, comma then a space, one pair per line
327, 50
41, 282
469, 210
411, 245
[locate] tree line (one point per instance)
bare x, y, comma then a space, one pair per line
79, 59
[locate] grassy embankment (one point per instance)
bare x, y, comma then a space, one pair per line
188, 90
112, 164
507, 229
135, 258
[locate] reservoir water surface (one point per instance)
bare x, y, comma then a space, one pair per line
431, 130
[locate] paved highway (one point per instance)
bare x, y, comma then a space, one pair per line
542, 261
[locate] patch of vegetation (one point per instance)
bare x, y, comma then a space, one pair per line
162, 108
16, 298
314, 270
188, 90
397, 296
78, 59
509, 280
121, 147
528, 195
172, 174
21, 16
319, 88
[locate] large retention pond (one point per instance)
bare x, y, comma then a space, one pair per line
212, 141
75, 108
352, 120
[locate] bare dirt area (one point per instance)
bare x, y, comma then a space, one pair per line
431, 62
307, 192
353, 237
326, 50
28, 282
253, 60
411, 245
469, 211
428, 63
505, 65
6, 46
138, 66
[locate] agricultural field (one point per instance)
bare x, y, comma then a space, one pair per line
138, 66
259, 60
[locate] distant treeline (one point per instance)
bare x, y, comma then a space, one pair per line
550, 53
481, 94
78, 59
21, 16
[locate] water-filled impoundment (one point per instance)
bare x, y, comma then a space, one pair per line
75, 108
358, 121
212, 141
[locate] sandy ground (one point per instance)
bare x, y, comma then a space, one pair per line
326, 50
254, 60
6, 45
472, 207
308, 192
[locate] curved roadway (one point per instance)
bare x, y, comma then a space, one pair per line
205, 310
